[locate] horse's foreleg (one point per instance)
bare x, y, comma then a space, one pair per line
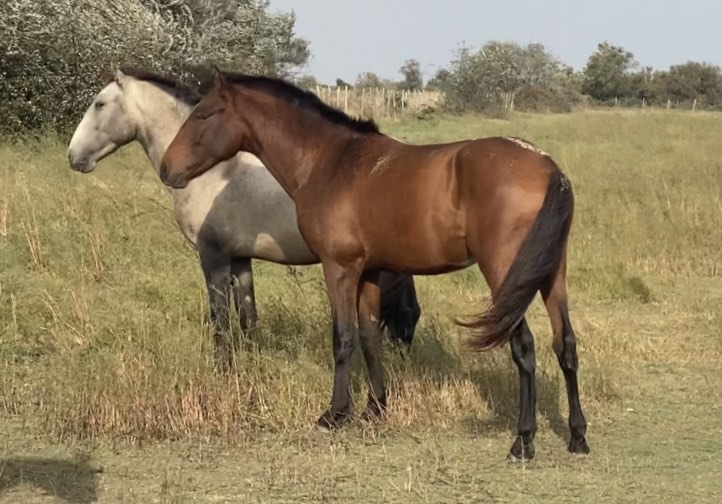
217, 272
342, 283
243, 292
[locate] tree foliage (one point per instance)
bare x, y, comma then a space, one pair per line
368, 80
439, 81
502, 75
340, 83
691, 81
413, 79
607, 74
53, 52
478, 80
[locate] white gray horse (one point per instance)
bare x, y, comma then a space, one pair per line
233, 213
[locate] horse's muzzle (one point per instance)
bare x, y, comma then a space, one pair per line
81, 164
174, 180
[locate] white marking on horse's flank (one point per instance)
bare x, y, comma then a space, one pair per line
526, 145
382, 162
564, 182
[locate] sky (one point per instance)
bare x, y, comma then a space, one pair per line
352, 36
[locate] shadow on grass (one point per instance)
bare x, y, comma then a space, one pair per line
73, 480
495, 377
431, 357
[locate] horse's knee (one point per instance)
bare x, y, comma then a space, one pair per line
343, 344
565, 348
522, 349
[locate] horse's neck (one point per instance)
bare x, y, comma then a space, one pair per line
293, 149
159, 126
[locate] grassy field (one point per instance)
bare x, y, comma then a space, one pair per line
107, 391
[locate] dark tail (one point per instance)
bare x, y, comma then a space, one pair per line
533, 268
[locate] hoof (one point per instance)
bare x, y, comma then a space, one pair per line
223, 365
332, 420
521, 451
374, 411
223, 357
579, 446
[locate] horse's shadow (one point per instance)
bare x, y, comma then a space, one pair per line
496, 379
431, 357
74, 480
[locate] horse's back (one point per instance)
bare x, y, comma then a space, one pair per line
427, 195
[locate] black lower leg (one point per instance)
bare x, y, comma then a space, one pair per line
568, 361
217, 272
243, 293
522, 351
340, 409
370, 337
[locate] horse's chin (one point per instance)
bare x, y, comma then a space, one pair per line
83, 165
176, 182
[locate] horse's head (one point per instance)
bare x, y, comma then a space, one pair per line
212, 133
106, 126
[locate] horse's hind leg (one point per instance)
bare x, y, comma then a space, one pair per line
565, 348
243, 292
217, 272
370, 336
522, 352
521, 340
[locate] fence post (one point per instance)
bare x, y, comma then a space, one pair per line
669, 102
378, 103
694, 104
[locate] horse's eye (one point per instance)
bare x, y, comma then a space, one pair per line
99, 105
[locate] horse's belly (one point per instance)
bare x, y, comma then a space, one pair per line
259, 223
285, 248
425, 240
421, 258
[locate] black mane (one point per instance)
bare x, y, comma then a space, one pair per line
305, 100
179, 91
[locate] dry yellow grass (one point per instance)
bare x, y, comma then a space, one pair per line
103, 339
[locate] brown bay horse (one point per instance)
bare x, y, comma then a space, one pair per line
368, 203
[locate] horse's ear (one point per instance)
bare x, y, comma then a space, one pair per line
218, 79
118, 76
